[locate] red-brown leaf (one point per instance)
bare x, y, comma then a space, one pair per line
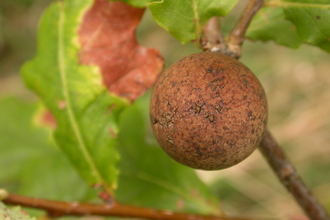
107, 37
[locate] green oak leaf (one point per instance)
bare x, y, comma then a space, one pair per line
325, 46
86, 114
15, 213
185, 19
269, 24
292, 23
311, 18
149, 177
34, 166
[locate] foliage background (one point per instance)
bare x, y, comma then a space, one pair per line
297, 82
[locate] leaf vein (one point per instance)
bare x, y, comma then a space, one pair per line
312, 18
66, 94
171, 187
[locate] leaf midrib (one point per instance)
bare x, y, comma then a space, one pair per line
198, 28
65, 92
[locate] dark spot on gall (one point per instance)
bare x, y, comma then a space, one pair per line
198, 151
210, 117
153, 120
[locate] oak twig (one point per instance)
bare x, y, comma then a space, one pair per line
212, 39
58, 209
290, 178
236, 37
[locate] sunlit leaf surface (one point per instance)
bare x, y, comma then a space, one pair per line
86, 114
185, 19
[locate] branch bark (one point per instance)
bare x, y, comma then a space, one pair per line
237, 35
58, 209
289, 177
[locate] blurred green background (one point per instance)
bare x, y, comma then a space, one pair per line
297, 82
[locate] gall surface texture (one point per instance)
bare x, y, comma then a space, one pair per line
208, 111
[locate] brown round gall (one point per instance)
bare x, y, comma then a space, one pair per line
208, 111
